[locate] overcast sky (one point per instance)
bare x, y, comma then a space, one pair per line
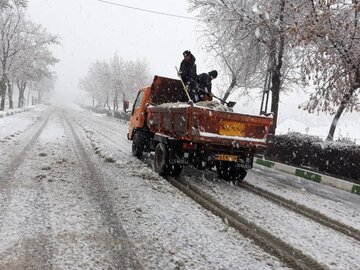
91, 30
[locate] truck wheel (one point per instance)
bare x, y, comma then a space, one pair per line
138, 144
161, 160
221, 170
229, 172
200, 165
242, 174
175, 169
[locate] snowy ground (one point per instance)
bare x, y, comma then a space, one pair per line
63, 206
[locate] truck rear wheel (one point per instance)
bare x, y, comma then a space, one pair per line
230, 172
138, 144
175, 169
161, 162
161, 159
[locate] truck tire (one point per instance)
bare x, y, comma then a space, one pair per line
161, 159
161, 162
138, 144
175, 169
242, 174
230, 172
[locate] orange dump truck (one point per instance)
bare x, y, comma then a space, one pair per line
202, 134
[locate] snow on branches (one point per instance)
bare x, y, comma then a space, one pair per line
110, 81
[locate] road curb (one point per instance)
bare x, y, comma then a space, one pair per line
308, 175
15, 111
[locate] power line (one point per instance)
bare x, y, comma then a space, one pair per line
149, 11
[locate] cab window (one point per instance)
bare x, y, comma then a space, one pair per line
138, 100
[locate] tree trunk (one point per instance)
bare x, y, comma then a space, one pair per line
124, 102
3, 86
275, 98
345, 100
2, 93
115, 103
28, 98
10, 87
107, 102
39, 97
21, 86
230, 88
276, 72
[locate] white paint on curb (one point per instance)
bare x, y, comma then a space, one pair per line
284, 168
324, 179
337, 183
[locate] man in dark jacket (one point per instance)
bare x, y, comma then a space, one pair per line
204, 84
188, 74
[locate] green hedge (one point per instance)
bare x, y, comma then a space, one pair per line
334, 158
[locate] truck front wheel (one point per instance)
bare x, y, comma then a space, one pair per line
138, 144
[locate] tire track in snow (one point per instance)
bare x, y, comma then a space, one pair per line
121, 247
106, 136
32, 224
20, 157
8, 173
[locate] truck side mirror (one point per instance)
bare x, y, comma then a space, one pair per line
126, 105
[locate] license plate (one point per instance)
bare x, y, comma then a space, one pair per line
226, 157
230, 128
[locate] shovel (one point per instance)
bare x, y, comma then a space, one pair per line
230, 104
184, 87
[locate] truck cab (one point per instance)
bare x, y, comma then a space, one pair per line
137, 119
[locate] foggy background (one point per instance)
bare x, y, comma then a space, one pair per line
92, 30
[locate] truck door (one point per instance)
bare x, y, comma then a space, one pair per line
137, 115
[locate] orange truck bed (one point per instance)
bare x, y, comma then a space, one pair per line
203, 125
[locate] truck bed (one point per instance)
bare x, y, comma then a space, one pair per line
200, 124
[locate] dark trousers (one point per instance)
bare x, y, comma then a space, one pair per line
193, 93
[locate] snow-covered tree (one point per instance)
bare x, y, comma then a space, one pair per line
44, 86
12, 3
33, 66
91, 85
115, 80
22, 44
137, 76
250, 39
330, 34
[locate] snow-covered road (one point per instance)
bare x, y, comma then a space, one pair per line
73, 197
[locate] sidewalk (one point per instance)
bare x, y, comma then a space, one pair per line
308, 175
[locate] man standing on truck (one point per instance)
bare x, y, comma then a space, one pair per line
188, 74
204, 85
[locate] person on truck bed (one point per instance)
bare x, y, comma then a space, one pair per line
203, 81
188, 74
